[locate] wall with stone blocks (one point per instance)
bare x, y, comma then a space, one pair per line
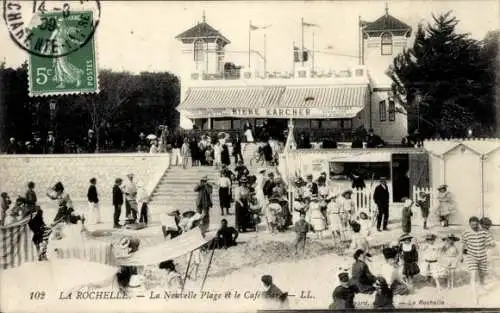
75, 171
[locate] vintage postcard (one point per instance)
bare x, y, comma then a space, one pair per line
168, 156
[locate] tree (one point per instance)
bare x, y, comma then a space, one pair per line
440, 81
491, 80
116, 90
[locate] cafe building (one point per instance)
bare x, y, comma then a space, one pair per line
323, 103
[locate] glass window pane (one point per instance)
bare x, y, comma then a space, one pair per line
382, 111
302, 124
237, 124
330, 124
222, 124
392, 110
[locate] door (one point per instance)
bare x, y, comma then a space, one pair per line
463, 176
491, 170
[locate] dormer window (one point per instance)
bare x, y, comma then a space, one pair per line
386, 44
199, 50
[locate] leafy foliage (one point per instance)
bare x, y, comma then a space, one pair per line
126, 105
446, 81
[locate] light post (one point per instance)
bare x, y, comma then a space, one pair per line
418, 99
52, 108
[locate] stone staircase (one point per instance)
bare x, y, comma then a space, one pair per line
175, 188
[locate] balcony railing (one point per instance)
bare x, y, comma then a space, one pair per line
359, 72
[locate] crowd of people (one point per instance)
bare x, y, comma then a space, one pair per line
263, 195
26, 206
407, 260
202, 147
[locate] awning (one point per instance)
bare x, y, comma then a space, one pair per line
171, 249
328, 101
362, 157
246, 97
276, 102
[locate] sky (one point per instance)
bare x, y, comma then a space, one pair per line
139, 36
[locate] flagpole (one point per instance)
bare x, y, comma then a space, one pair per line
265, 54
312, 55
293, 57
359, 40
302, 46
249, 41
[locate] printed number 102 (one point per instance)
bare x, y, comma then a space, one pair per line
37, 295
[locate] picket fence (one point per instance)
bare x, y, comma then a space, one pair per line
364, 197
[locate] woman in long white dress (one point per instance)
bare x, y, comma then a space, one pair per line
324, 195
318, 220
336, 226
348, 211
259, 187
217, 155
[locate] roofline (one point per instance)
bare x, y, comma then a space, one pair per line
387, 30
491, 151
244, 85
208, 37
463, 145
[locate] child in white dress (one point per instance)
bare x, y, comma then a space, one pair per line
430, 266
449, 258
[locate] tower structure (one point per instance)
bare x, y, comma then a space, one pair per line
381, 41
203, 49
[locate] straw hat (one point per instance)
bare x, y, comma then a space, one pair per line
172, 211
443, 186
405, 237
364, 213
451, 237
430, 236
349, 191
188, 214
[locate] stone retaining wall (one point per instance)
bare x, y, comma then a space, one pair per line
75, 171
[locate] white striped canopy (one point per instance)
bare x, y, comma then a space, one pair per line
171, 249
16, 246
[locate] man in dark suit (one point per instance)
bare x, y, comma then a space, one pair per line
93, 199
117, 202
381, 199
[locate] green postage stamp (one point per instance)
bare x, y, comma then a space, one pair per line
66, 62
